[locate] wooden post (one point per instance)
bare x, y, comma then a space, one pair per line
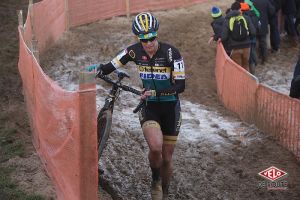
67, 17
128, 8
20, 20
30, 12
34, 41
86, 78
35, 49
88, 137
20, 17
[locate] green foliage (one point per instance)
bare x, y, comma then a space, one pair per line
11, 146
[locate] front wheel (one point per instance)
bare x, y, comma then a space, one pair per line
104, 120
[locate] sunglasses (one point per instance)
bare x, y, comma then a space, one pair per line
148, 40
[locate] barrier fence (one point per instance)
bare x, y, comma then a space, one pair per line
272, 112
64, 129
64, 123
82, 12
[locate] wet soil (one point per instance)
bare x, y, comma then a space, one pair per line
27, 170
217, 164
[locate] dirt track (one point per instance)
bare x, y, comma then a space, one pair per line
217, 165
221, 164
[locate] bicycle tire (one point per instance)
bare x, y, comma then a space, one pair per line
104, 121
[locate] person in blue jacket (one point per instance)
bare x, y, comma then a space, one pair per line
217, 25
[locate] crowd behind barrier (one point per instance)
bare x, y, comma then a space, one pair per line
272, 112
64, 123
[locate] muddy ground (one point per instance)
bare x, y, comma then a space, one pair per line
218, 164
211, 161
27, 171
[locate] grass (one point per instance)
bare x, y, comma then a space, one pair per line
10, 191
11, 146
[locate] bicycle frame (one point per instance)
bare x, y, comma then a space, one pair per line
116, 89
111, 98
104, 119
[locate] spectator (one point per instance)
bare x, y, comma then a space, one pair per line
274, 27
266, 10
254, 19
252, 7
297, 16
217, 25
240, 47
295, 84
289, 11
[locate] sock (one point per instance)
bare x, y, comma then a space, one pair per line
155, 174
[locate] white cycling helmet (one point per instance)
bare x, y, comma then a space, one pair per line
145, 25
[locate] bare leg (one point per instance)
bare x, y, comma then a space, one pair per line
154, 138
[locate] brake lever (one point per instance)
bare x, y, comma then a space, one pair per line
139, 106
142, 102
122, 74
99, 74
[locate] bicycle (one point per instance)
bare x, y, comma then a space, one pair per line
104, 119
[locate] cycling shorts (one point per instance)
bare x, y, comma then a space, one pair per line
166, 113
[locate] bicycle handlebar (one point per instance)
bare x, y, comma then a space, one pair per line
124, 87
118, 84
121, 74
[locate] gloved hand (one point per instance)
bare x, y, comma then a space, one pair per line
92, 68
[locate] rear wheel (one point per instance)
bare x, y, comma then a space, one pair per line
104, 120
